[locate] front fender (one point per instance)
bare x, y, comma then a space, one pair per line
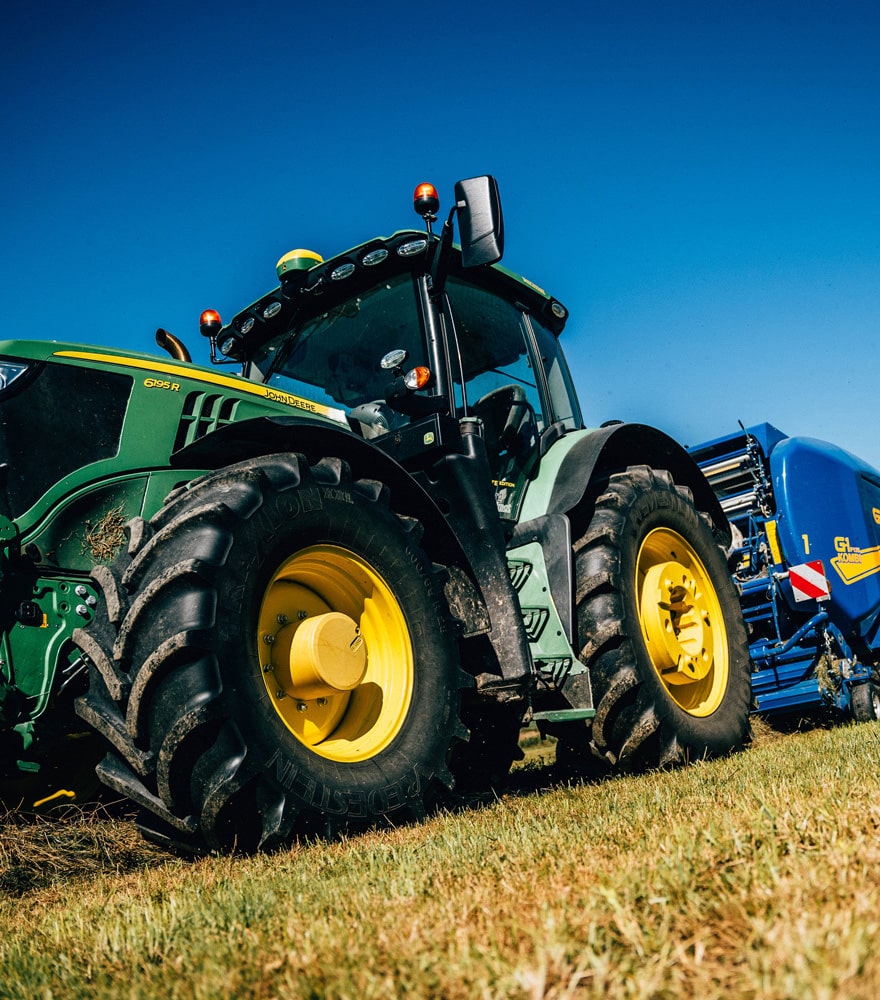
467, 542
266, 435
578, 460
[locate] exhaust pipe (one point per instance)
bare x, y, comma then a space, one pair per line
176, 348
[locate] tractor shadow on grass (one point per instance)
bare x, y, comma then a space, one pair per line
539, 772
79, 843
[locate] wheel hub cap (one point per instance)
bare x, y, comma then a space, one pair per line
677, 623
682, 622
335, 653
320, 656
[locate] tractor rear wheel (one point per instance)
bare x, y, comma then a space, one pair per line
276, 657
660, 628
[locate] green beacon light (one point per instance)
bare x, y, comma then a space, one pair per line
297, 261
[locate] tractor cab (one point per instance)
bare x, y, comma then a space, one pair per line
407, 339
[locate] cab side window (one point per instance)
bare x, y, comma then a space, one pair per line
500, 386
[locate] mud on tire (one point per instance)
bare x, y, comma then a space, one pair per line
660, 628
218, 731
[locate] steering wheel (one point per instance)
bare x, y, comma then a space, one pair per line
513, 398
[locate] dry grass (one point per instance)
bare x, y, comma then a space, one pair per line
38, 853
104, 539
756, 876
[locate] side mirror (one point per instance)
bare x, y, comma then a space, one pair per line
480, 223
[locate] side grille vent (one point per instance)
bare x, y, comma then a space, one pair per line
535, 621
519, 572
203, 412
555, 669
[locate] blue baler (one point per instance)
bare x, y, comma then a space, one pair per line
806, 561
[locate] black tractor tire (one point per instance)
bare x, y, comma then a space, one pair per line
865, 703
660, 628
219, 732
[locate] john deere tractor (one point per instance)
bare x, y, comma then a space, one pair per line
320, 586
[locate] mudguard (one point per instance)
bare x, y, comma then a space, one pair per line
476, 542
264, 435
577, 460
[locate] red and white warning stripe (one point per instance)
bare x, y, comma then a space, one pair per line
808, 582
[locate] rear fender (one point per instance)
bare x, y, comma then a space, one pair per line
578, 461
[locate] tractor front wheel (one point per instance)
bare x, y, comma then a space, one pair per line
281, 660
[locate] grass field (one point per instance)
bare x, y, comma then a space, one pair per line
755, 876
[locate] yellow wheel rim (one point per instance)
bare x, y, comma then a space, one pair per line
682, 623
335, 654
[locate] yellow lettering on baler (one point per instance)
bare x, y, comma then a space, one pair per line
773, 539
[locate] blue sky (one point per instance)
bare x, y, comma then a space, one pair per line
698, 182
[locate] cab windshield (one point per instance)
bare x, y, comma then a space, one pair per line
333, 358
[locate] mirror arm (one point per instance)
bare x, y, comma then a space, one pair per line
440, 264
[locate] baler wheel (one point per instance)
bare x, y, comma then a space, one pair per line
283, 658
866, 702
660, 627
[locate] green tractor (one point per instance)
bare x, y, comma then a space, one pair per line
318, 588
